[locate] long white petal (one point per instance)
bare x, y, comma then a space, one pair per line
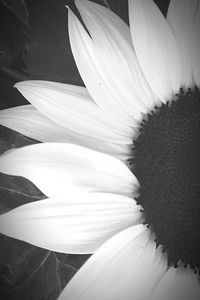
55, 167
73, 110
156, 48
95, 76
109, 18
181, 18
120, 269
178, 284
118, 57
30, 122
195, 47
77, 223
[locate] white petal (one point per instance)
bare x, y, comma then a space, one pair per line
120, 269
109, 18
181, 18
178, 284
55, 167
30, 122
118, 57
78, 223
156, 48
73, 110
94, 74
195, 47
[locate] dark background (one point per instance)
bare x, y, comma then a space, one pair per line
34, 44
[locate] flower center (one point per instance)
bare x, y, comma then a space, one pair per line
167, 164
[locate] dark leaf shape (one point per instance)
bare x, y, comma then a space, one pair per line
16, 191
13, 139
28, 272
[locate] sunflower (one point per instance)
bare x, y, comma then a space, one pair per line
119, 162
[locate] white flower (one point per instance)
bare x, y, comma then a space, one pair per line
130, 119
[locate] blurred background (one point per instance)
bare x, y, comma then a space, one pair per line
34, 44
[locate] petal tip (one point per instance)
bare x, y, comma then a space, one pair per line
20, 84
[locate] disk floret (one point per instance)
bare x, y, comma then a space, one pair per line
167, 164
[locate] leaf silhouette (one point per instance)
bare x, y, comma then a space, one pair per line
28, 272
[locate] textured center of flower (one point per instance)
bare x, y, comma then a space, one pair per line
167, 165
